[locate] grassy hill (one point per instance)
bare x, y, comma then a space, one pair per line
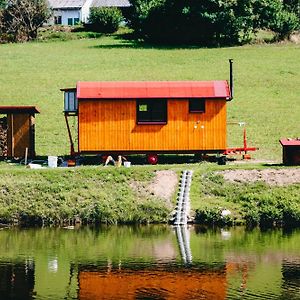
267, 85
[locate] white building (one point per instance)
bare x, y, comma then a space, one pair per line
72, 12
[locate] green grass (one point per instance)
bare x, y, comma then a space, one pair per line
106, 195
267, 85
250, 203
92, 194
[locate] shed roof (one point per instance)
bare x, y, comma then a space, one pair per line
73, 89
153, 89
290, 142
65, 4
19, 110
110, 3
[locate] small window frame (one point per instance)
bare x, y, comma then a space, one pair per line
192, 105
152, 105
70, 101
58, 20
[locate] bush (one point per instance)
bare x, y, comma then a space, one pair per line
291, 215
211, 22
272, 14
270, 215
285, 24
105, 19
212, 216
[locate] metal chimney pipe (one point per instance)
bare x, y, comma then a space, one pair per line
231, 77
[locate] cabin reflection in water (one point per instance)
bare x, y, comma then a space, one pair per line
146, 265
165, 283
160, 281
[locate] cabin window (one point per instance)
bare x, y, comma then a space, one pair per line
152, 111
76, 21
70, 21
197, 105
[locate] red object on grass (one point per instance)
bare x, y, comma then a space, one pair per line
244, 149
152, 159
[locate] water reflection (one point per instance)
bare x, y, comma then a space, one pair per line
161, 283
291, 278
17, 280
183, 239
149, 262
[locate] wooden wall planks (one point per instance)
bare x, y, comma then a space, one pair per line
110, 125
20, 135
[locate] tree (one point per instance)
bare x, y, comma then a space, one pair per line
209, 22
20, 19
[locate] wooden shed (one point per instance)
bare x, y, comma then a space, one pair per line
290, 151
149, 117
17, 131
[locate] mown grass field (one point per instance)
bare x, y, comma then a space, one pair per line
267, 82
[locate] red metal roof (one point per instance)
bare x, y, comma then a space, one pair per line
290, 142
18, 109
153, 89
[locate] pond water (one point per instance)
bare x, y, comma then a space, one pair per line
149, 262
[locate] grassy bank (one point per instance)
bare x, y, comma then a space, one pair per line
89, 194
266, 82
120, 195
252, 204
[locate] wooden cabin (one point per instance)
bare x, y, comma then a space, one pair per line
149, 117
17, 131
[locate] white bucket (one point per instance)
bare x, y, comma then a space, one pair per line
52, 161
127, 164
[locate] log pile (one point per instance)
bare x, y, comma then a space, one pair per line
3, 137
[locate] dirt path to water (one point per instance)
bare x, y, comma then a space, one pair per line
162, 186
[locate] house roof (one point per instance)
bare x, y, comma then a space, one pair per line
64, 4
153, 89
67, 4
110, 3
19, 109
